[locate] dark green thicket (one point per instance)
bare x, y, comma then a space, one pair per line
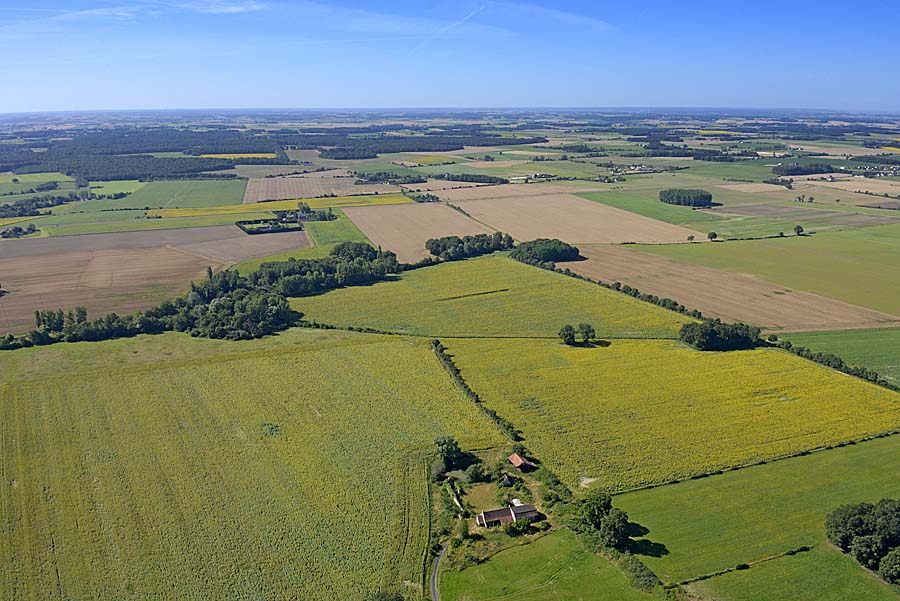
686, 197
870, 533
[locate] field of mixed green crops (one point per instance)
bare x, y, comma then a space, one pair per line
746, 515
279, 473
858, 266
877, 349
640, 412
490, 296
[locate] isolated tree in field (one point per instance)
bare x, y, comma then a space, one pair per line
567, 334
586, 331
798, 229
712, 236
691, 238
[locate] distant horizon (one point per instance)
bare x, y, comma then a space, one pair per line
472, 109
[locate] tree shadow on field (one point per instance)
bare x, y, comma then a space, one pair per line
643, 546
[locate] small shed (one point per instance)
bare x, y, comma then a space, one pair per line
507, 515
521, 463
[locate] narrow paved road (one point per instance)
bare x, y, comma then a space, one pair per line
435, 595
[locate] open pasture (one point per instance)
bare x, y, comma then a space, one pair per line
857, 266
172, 194
490, 296
120, 272
128, 473
130, 221
864, 184
746, 515
404, 228
877, 349
556, 566
572, 219
34, 178
286, 205
309, 186
639, 412
823, 574
726, 295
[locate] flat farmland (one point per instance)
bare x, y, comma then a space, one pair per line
122, 280
174, 194
877, 349
865, 184
405, 228
823, 574
120, 272
572, 219
128, 472
638, 412
726, 295
556, 566
517, 190
857, 266
311, 186
285, 205
490, 296
715, 523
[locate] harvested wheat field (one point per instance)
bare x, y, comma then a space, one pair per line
287, 188
405, 228
513, 190
120, 272
729, 296
864, 184
753, 188
440, 184
120, 280
572, 219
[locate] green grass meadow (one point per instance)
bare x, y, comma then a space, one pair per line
552, 568
698, 527
877, 348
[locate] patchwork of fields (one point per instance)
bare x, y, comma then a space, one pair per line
489, 297
405, 228
310, 186
592, 413
723, 294
129, 472
746, 515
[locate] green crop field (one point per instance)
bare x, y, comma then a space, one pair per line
34, 178
746, 515
858, 266
65, 218
489, 296
553, 567
877, 349
124, 224
640, 412
324, 234
243, 474
823, 574
180, 194
117, 187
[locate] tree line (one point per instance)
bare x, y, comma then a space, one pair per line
225, 305
870, 533
476, 178
714, 335
689, 197
544, 252
798, 169
454, 248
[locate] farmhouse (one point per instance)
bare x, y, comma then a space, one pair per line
506, 515
521, 463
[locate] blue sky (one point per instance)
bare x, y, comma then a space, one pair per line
141, 54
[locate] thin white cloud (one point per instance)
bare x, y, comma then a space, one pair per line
543, 15
223, 7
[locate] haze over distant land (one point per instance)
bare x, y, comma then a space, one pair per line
154, 54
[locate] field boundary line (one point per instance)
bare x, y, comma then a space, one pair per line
747, 565
723, 471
